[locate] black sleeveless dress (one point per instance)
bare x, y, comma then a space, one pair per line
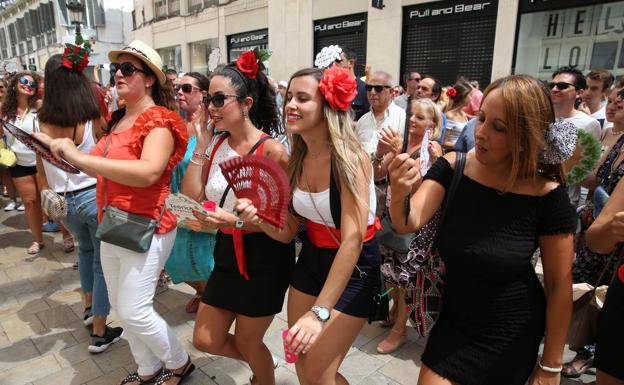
494, 310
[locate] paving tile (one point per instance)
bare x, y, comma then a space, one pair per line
405, 367
283, 376
173, 299
79, 331
114, 358
226, 371
57, 317
73, 355
53, 341
30, 371
4, 340
109, 378
380, 379
66, 297
39, 268
19, 326
17, 354
358, 366
76, 374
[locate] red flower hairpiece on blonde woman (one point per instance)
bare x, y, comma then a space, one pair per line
338, 88
250, 62
76, 56
451, 92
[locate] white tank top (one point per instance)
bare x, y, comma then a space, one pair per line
57, 177
304, 207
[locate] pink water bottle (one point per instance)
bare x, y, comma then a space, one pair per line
210, 206
291, 358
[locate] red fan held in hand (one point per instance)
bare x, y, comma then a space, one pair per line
262, 181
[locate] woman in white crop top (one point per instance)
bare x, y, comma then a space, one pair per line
76, 115
338, 266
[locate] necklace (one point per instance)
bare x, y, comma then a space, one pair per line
613, 132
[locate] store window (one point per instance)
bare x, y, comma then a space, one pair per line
450, 38
582, 34
171, 57
241, 42
348, 32
200, 52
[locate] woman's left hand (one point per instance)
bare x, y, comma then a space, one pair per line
215, 219
541, 377
304, 333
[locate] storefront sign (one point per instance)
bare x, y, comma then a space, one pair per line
347, 32
446, 9
241, 42
546, 5
342, 24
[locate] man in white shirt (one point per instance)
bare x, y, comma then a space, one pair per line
568, 84
383, 113
594, 104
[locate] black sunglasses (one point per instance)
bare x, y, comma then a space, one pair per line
560, 85
186, 88
127, 68
30, 83
378, 89
217, 100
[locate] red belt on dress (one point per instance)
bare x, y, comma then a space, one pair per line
320, 237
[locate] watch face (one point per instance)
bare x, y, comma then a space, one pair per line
323, 314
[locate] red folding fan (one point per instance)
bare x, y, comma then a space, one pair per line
262, 181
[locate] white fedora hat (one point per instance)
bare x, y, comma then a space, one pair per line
146, 54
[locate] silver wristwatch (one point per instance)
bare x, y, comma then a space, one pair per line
321, 313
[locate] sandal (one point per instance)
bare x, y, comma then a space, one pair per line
386, 347
134, 377
167, 374
35, 248
68, 244
193, 304
570, 371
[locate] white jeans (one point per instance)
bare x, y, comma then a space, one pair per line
131, 278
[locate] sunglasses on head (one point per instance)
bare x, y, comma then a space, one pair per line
25, 82
127, 68
217, 100
560, 85
378, 89
186, 88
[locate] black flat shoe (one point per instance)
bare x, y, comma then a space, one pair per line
167, 374
134, 377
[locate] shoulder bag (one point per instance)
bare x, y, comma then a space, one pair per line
424, 294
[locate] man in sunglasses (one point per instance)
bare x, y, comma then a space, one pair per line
384, 113
412, 81
348, 59
567, 85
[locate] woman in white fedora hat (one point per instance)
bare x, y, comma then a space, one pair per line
133, 163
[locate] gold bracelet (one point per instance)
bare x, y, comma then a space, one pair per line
197, 163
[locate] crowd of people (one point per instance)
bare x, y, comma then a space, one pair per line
358, 152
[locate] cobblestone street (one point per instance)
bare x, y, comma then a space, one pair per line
43, 340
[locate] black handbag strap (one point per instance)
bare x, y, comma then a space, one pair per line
253, 149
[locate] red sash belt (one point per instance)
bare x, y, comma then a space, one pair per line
237, 238
320, 237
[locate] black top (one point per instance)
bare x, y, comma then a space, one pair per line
493, 313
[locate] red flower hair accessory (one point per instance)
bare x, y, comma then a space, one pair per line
338, 87
250, 62
76, 56
451, 92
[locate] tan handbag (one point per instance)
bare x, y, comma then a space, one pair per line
53, 204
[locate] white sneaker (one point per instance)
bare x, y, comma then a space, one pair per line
21, 207
11, 206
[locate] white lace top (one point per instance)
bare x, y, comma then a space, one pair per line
216, 184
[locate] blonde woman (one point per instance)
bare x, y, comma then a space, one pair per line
333, 193
510, 200
424, 115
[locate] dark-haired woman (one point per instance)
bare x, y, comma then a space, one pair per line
75, 115
133, 163
20, 108
458, 98
250, 277
191, 259
332, 187
509, 200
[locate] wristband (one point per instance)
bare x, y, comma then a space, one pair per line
197, 163
548, 369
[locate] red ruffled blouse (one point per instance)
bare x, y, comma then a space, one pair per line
127, 145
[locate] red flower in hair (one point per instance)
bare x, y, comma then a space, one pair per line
621, 273
247, 64
66, 62
338, 87
451, 92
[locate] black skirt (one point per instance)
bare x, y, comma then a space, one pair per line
269, 264
611, 333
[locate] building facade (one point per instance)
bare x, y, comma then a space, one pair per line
480, 39
33, 30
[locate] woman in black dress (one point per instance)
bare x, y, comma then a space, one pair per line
251, 271
508, 203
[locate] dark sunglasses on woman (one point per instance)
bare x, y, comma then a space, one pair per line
378, 89
218, 100
186, 88
30, 83
127, 68
562, 86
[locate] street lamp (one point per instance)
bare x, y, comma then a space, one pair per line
76, 9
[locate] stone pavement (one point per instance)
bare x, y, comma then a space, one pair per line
43, 340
